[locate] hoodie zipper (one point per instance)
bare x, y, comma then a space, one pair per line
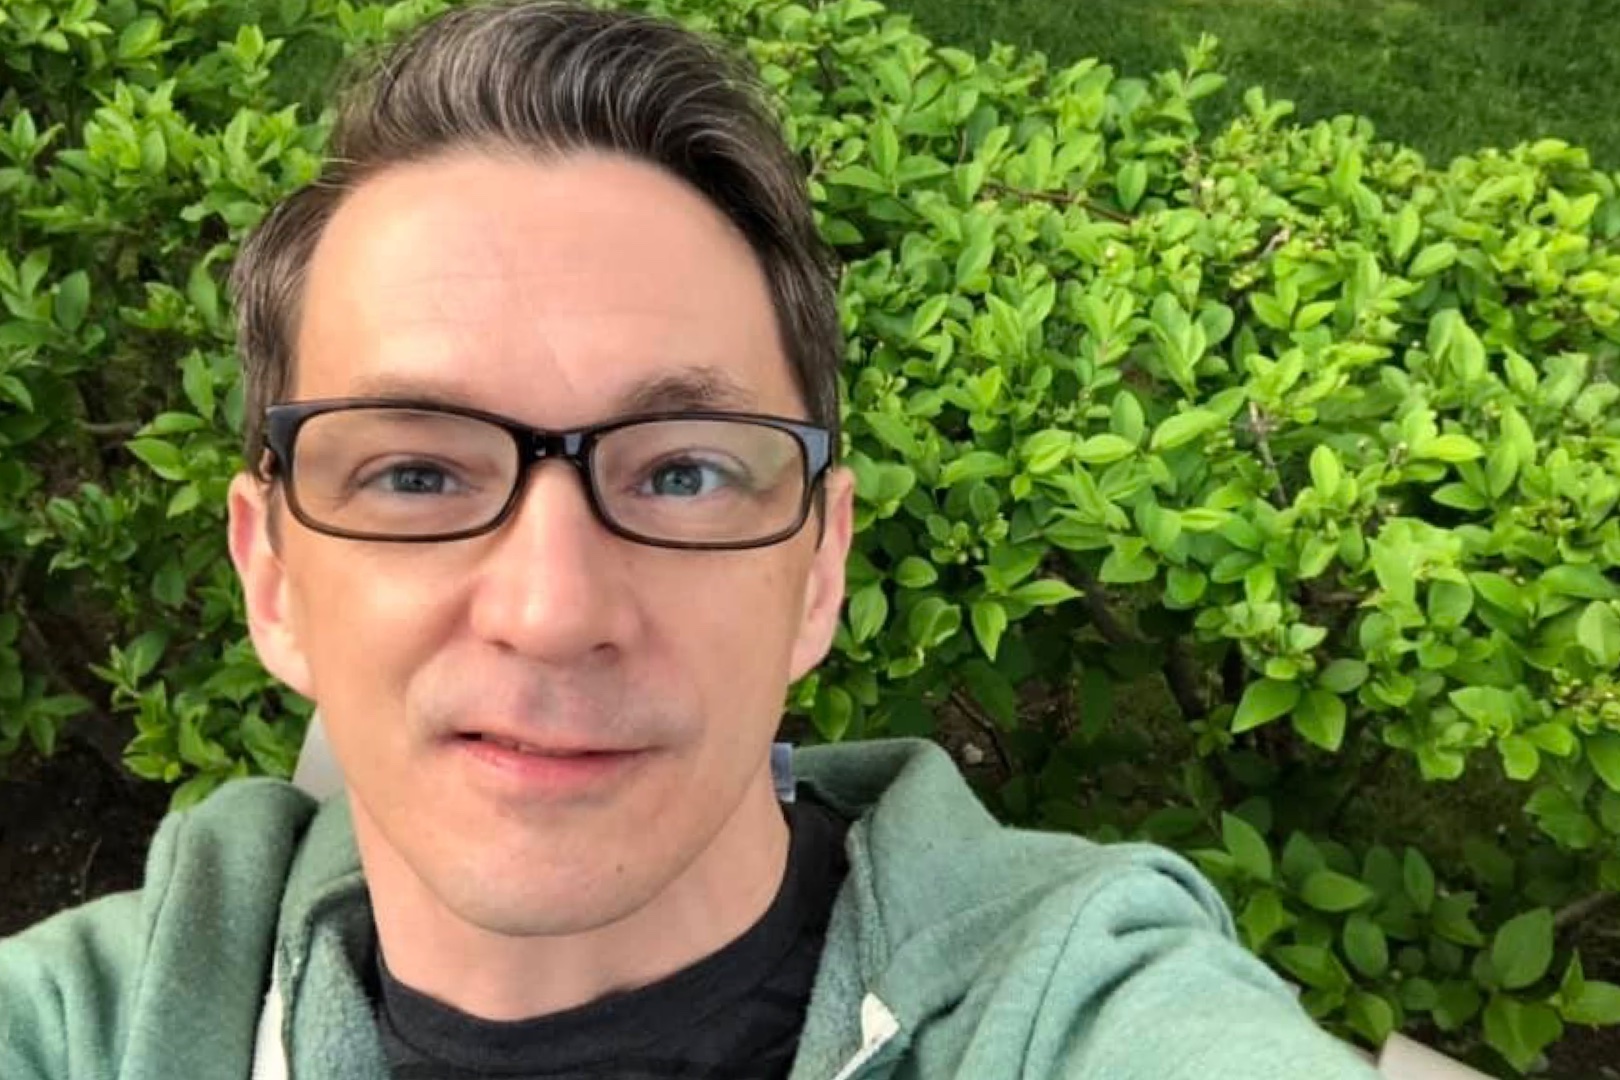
878, 1026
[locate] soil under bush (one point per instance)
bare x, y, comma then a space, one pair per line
71, 828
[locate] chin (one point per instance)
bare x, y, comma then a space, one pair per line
559, 907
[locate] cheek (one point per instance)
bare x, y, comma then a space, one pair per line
732, 624
369, 617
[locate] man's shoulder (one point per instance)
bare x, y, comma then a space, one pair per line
928, 842
78, 983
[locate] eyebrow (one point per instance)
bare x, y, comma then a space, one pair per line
694, 388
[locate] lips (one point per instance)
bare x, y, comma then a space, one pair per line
529, 748
513, 768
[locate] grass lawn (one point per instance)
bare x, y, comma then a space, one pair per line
1445, 76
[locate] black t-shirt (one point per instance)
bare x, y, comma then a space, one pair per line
735, 1014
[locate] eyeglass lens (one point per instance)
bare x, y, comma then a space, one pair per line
417, 473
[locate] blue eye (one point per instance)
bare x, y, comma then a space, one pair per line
412, 479
687, 479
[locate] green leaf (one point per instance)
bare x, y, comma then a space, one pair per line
1320, 718
989, 623
1459, 1002
1183, 428
1522, 950
1129, 563
1184, 587
1343, 676
1365, 946
1247, 847
1418, 877
1520, 758
1603, 751
1271, 311
1520, 1031
1125, 417
832, 712
1449, 603
161, 457
144, 652
1597, 1004
1263, 918
1131, 182
72, 300
1045, 450
868, 611
915, 573
1104, 449
184, 500
1433, 259
1489, 706
1312, 965
1448, 448
1331, 891
1403, 231
1583, 582
1044, 593
203, 293
1326, 472
1370, 1016
1598, 631
1264, 701
974, 465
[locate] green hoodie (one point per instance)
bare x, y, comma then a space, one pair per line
957, 948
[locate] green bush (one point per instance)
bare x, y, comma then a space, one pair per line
1225, 484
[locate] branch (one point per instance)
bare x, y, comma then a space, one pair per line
1062, 198
1260, 428
112, 429
46, 657
1178, 670
1183, 679
1272, 246
1579, 911
986, 723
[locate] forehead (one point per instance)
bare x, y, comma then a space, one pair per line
553, 291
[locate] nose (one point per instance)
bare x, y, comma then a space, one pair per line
553, 584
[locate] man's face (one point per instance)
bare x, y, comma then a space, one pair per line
559, 294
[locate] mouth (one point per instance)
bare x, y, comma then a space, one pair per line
519, 746
517, 768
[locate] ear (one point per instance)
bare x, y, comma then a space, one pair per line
824, 588
265, 587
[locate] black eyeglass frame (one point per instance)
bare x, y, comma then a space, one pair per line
534, 445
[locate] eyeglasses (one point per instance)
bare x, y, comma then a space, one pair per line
382, 469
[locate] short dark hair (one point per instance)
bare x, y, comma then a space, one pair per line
548, 79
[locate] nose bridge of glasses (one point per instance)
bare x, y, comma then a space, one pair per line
539, 445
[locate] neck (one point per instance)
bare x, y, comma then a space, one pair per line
496, 976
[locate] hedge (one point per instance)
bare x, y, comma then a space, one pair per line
1252, 490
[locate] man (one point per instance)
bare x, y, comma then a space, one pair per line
543, 514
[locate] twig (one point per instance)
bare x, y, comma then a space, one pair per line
1061, 198
1183, 679
84, 871
1260, 427
112, 428
1271, 247
1178, 670
986, 723
1580, 910
47, 655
